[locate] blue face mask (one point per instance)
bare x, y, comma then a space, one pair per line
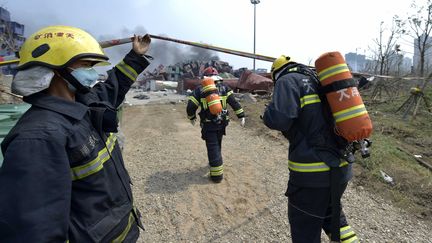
86, 76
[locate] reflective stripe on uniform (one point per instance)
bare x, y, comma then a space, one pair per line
195, 101
347, 235
204, 103
349, 113
96, 164
224, 101
311, 167
239, 111
333, 70
127, 70
216, 171
309, 99
191, 117
229, 93
125, 232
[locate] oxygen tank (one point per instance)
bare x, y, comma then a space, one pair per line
352, 119
212, 97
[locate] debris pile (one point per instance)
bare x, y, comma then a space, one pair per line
188, 76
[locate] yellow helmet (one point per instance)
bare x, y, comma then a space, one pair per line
278, 64
58, 46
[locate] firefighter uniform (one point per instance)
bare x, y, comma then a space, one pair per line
297, 111
55, 156
213, 127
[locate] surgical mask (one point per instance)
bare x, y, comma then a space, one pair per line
86, 76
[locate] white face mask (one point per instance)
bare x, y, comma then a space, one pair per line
32, 80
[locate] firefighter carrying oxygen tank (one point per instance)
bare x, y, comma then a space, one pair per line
318, 172
212, 96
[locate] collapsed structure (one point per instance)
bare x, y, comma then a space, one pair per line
11, 38
187, 76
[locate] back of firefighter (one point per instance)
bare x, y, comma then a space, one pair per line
315, 160
213, 126
63, 178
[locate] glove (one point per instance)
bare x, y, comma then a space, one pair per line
192, 121
242, 121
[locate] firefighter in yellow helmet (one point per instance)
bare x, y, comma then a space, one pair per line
63, 177
319, 172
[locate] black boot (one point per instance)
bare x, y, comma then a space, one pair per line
216, 179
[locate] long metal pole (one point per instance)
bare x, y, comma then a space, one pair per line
254, 36
116, 42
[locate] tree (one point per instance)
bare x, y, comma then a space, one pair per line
420, 25
386, 53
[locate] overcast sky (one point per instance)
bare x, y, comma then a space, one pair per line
301, 29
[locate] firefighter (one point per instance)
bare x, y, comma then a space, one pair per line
212, 126
63, 178
318, 172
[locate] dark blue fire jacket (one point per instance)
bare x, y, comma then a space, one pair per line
209, 121
296, 110
62, 179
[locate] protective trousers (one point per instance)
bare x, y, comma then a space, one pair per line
213, 141
309, 211
214, 147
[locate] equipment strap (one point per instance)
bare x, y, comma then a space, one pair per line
338, 85
335, 175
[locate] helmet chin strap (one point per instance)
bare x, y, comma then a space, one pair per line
73, 81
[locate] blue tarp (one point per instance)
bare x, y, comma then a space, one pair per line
9, 115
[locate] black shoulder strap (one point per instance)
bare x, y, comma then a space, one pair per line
338, 85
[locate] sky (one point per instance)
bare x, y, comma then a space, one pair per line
302, 29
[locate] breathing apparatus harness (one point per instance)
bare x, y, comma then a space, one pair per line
348, 148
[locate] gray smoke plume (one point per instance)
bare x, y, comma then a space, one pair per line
163, 52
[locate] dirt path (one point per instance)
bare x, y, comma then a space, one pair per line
168, 164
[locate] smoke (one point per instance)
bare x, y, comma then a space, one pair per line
163, 52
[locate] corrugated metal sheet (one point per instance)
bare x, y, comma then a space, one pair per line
9, 115
251, 81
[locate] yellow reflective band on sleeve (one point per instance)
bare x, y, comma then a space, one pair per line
96, 164
216, 171
311, 167
239, 111
195, 101
349, 113
191, 117
125, 232
127, 70
333, 70
230, 93
204, 103
309, 99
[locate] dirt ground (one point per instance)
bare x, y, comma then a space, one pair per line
167, 161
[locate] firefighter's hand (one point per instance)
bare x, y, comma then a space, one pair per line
193, 121
141, 44
242, 121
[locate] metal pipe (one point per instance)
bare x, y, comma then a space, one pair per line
254, 36
116, 42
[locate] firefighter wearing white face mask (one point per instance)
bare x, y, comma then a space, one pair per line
64, 149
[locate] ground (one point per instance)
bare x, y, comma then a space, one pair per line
168, 165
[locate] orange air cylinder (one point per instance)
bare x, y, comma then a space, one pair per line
212, 97
352, 119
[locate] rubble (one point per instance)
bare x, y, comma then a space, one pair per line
187, 76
